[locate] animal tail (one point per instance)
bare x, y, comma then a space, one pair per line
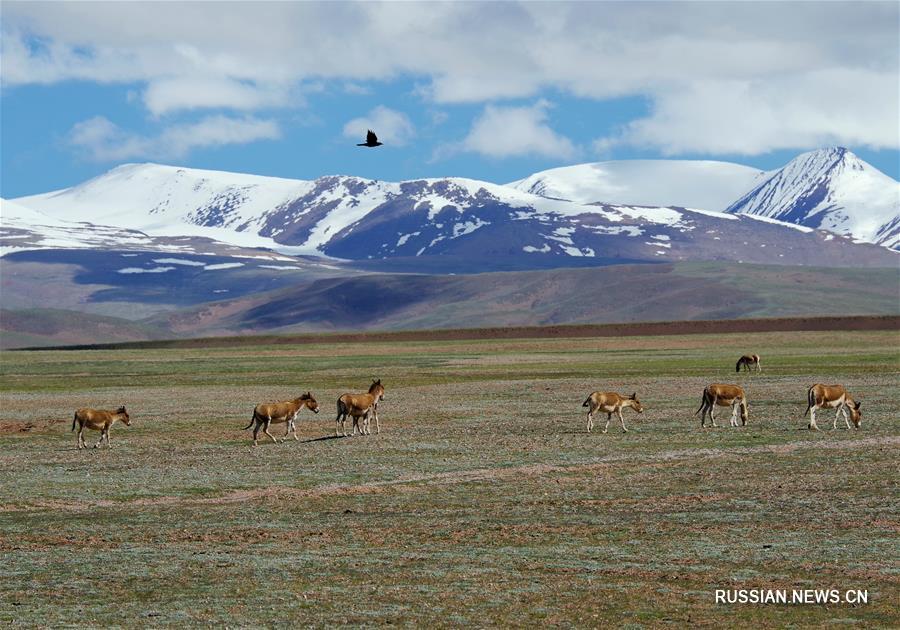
702, 402
74, 420
810, 401
587, 402
341, 407
252, 420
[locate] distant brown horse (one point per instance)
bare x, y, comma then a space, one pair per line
98, 420
359, 406
747, 361
824, 396
610, 403
724, 396
266, 413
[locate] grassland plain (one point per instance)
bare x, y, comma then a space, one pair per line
483, 501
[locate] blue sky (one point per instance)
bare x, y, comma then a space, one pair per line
492, 91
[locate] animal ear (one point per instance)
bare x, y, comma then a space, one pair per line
633, 395
858, 404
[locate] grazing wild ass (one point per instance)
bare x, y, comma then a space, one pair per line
98, 420
724, 396
748, 361
823, 396
267, 413
359, 406
610, 403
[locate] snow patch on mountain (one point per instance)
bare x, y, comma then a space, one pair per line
707, 184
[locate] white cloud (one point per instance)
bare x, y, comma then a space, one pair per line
750, 117
391, 127
729, 61
100, 140
167, 95
515, 131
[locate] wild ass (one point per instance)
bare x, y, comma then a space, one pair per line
747, 361
823, 396
98, 420
267, 413
359, 406
610, 403
724, 396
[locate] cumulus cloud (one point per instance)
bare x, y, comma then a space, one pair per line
101, 140
501, 132
391, 127
169, 95
826, 107
765, 72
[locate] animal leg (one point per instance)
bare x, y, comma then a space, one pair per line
608, 418
100, 441
712, 412
377, 425
847, 417
812, 426
256, 433
266, 431
590, 421
81, 443
294, 430
287, 430
622, 420
108, 445
734, 412
836, 416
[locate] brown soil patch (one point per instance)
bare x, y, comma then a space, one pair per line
875, 322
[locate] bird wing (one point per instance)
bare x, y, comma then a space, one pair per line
371, 137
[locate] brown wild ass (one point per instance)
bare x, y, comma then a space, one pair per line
747, 361
610, 403
359, 406
98, 420
724, 396
823, 396
267, 413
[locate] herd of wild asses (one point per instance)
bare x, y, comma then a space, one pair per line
361, 406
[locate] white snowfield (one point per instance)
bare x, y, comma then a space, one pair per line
47, 232
703, 184
164, 201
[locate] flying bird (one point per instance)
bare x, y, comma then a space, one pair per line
371, 140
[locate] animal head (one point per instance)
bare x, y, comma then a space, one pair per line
123, 415
310, 402
377, 389
855, 414
636, 405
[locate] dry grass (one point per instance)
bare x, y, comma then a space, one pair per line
482, 502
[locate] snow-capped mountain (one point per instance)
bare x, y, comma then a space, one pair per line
704, 184
450, 224
830, 189
24, 229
